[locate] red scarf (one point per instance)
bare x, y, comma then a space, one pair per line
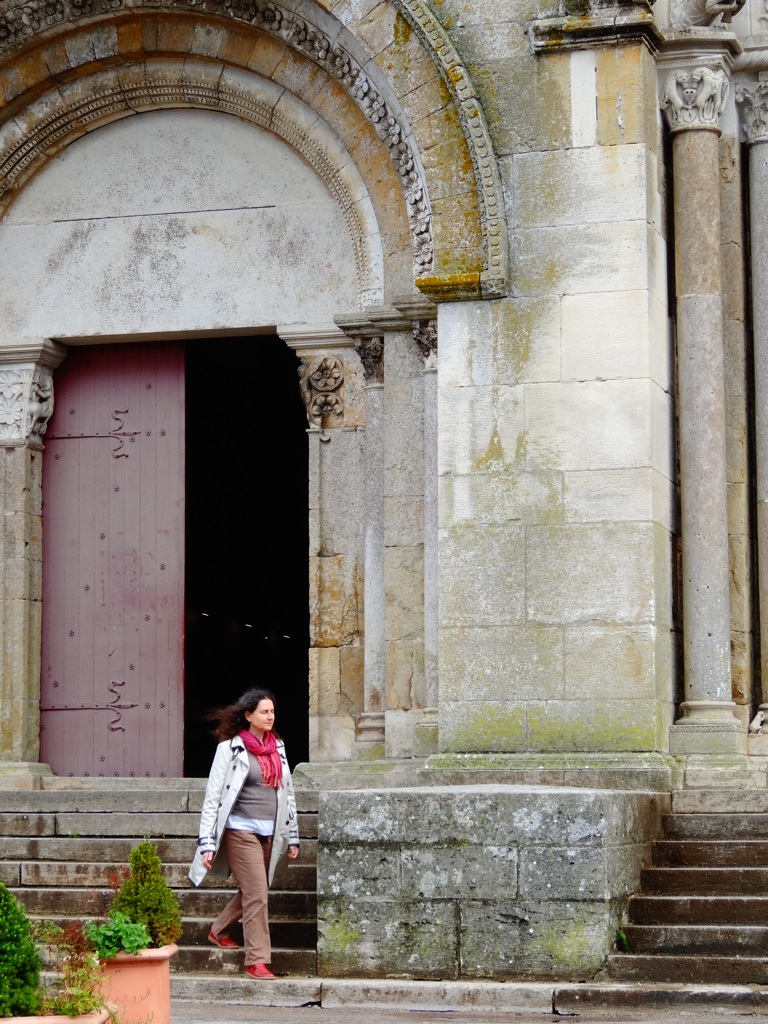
267, 756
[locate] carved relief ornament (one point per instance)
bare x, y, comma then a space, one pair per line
320, 380
371, 352
425, 336
687, 13
695, 97
26, 403
753, 104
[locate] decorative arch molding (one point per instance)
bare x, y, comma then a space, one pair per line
64, 114
367, 87
494, 280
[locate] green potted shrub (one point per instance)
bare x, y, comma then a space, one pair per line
77, 992
19, 960
138, 982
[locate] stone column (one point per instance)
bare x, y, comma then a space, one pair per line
331, 383
424, 313
694, 92
370, 723
26, 405
753, 102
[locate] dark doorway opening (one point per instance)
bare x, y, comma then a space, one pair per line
247, 576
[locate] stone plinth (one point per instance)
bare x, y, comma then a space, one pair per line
477, 881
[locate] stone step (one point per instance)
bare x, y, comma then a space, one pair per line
613, 1000
725, 853
208, 903
720, 801
704, 881
199, 959
286, 934
90, 801
715, 826
139, 825
113, 851
706, 910
719, 940
63, 874
215, 990
687, 970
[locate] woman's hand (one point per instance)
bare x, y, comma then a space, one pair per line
293, 852
207, 859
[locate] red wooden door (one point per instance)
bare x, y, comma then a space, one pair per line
113, 563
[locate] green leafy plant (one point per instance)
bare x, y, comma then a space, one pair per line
146, 898
19, 960
118, 934
621, 941
79, 986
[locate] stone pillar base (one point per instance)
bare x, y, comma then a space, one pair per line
23, 774
707, 727
369, 736
426, 734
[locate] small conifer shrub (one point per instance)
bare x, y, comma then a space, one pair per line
146, 898
19, 960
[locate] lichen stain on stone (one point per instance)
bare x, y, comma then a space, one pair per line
571, 946
493, 457
402, 30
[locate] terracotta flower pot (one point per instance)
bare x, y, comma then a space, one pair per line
99, 1017
139, 985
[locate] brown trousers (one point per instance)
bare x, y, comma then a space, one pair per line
249, 859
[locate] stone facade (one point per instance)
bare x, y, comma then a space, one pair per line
509, 245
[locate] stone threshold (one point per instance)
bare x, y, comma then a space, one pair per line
551, 997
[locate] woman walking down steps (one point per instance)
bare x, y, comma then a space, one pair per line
248, 821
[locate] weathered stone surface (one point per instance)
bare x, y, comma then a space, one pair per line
482, 581
560, 940
362, 937
482, 881
594, 654
598, 572
498, 663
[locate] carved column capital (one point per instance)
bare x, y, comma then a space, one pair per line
425, 336
371, 352
752, 100
694, 94
26, 388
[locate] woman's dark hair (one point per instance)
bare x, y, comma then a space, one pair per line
230, 720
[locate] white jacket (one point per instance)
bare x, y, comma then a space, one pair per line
228, 773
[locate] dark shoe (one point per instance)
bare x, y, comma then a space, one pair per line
223, 940
259, 971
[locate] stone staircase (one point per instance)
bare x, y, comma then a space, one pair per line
701, 916
61, 846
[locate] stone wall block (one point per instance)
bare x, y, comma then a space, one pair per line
626, 96
331, 737
405, 673
579, 259
333, 589
580, 186
501, 663
526, 102
385, 937
569, 873
404, 575
608, 494
500, 497
511, 341
535, 940
594, 654
482, 575
578, 425
466, 872
591, 725
482, 429
351, 678
325, 679
481, 726
359, 871
404, 520
605, 335
736, 452
599, 573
